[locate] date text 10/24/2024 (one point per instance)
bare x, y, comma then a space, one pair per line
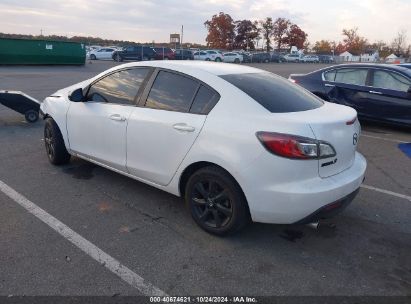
203, 299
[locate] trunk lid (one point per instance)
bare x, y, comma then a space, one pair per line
335, 124
331, 123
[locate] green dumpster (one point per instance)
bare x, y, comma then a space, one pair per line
31, 51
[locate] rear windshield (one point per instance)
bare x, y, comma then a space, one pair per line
274, 93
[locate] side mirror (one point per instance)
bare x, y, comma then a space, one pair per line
77, 95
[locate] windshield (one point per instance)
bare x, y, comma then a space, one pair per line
274, 93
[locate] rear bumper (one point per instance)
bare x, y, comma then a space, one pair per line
304, 200
330, 210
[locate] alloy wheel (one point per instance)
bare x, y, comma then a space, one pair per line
49, 142
212, 203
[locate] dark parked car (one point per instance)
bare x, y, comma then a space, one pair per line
326, 58
246, 57
184, 55
405, 65
261, 57
378, 92
277, 57
164, 53
135, 53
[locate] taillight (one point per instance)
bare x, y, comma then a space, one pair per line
352, 121
292, 80
295, 147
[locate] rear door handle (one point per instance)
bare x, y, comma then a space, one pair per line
117, 117
329, 85
375, 92
183, 127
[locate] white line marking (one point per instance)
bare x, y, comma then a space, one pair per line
90, 249
387, 192
386, 139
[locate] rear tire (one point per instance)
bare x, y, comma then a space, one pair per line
54, 142
237, 60
216, 202
31, 116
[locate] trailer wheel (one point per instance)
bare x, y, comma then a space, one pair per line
31, 116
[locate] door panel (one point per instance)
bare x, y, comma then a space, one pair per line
388, 99
162, 131
348, 86
158, 141
390, 105
352, 96
95, 132
97, 128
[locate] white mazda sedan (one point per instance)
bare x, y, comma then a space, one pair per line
236, 142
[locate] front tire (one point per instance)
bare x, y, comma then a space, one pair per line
218, 59
93, 57
216, 202
54, 142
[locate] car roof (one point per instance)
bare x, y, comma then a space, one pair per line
215, 68
368, 65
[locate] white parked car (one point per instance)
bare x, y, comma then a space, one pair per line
209, 55
310, 59
293, 57
233, 57
234, 141
101, 54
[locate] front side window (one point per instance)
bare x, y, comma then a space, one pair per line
352, 76
274, 93
172, 92
391, 81
120, 87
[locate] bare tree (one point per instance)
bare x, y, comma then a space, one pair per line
399, 42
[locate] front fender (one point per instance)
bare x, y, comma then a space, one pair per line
57, 107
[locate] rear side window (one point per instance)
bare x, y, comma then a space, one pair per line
391, 81
172, 92
204, 101
274, 93
330, 75
120, 87
352, 76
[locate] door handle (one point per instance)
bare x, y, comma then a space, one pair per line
184, 127
375, 92
117, 117
329, 85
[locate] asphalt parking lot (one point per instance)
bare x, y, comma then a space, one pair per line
151, 233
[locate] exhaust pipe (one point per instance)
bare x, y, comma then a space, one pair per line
314, 225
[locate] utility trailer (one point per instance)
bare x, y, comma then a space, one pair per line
22, 103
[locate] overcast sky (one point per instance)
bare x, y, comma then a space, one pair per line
147, 20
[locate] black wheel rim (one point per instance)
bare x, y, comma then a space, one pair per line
212, 204
49, 142
31, 116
